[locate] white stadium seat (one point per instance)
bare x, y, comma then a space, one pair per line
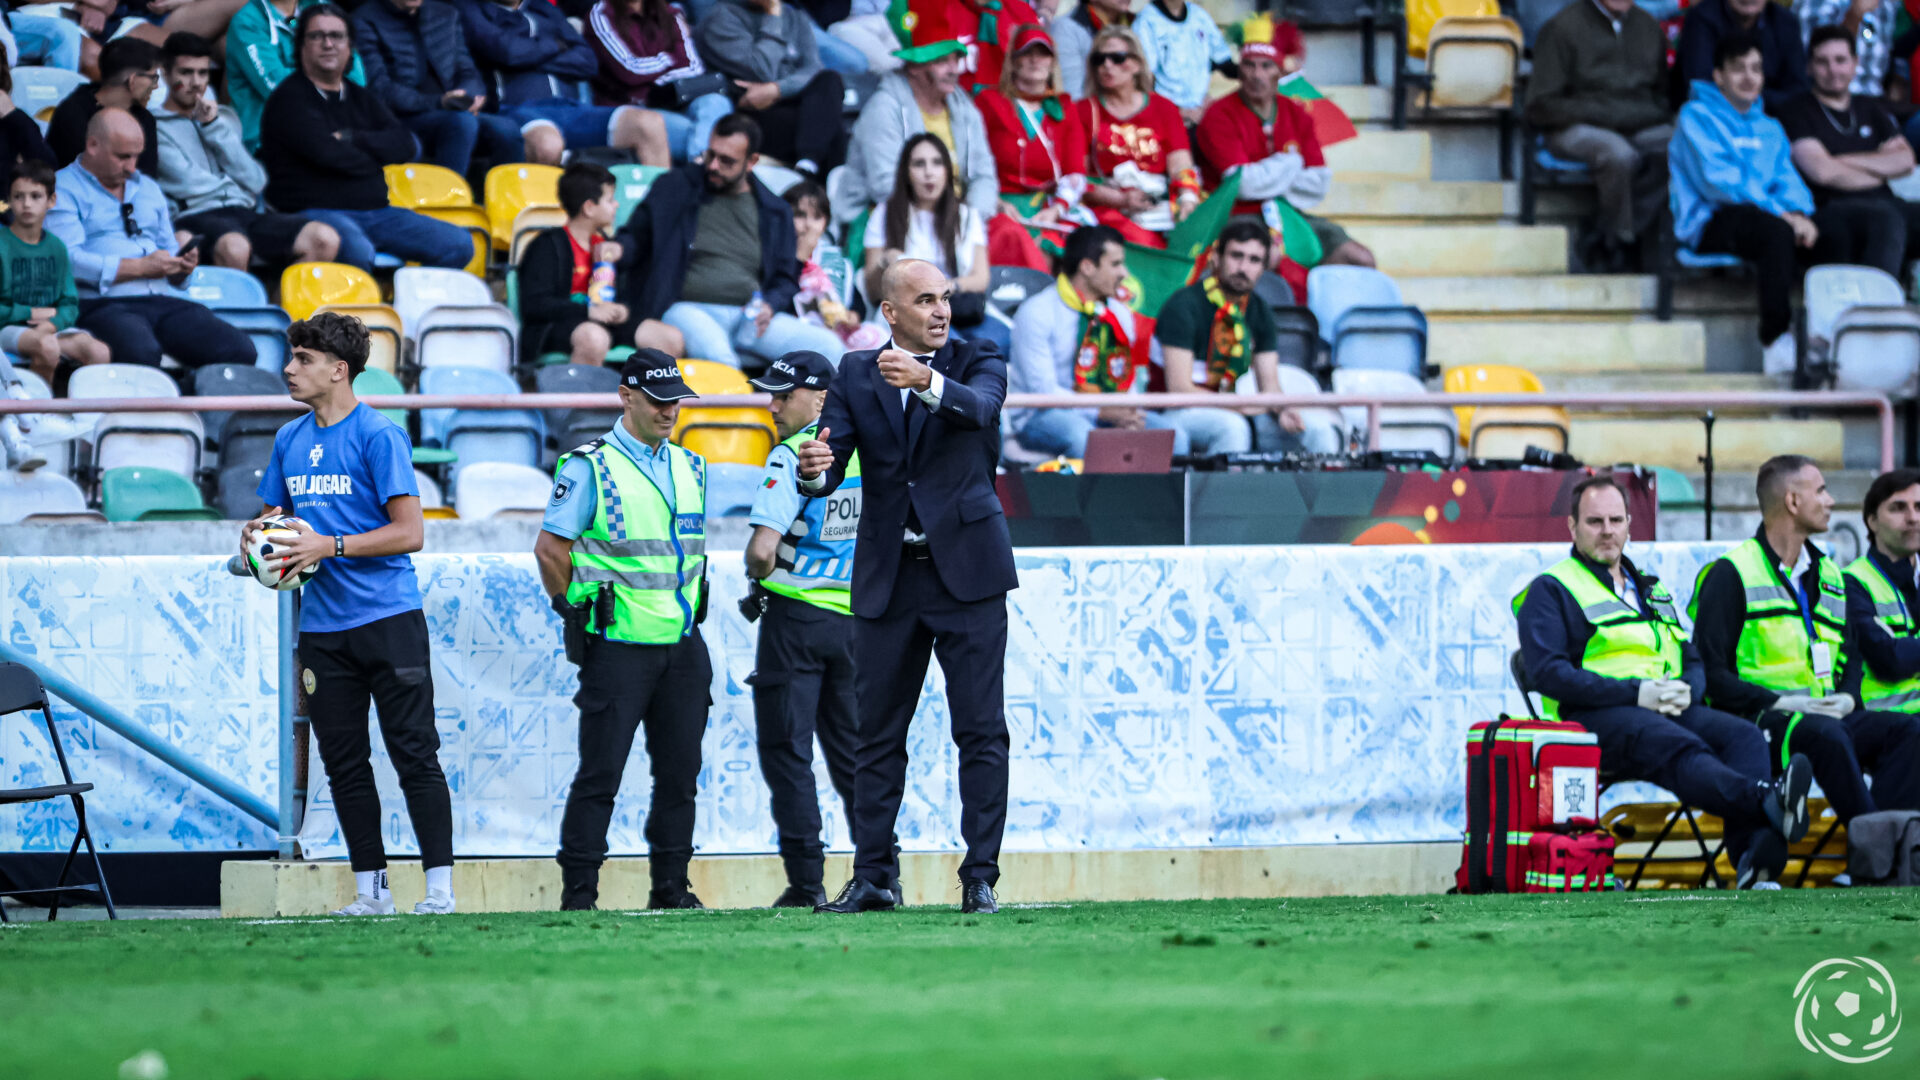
487, 488
24, 495
1402, 427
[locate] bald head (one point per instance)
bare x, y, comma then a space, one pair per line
916, 300
114, 143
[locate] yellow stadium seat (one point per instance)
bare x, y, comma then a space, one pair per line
306, 287
474, 220
383, 328
1424, 16
742, 436
1479, 65
513, 188
418, 186
530, 223
1505, 432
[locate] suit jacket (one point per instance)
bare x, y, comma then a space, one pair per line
939, 462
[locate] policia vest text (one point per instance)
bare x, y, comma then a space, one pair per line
814, 562
1626, 644
652, 555
1892, 613
1775, 651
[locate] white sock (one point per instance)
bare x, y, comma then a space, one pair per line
807, 165
440, 879
370, 883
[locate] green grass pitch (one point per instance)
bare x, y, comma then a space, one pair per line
1618, 986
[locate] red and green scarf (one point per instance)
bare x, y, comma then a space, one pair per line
1104, 362
1226, 339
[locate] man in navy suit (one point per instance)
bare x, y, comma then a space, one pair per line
932, 566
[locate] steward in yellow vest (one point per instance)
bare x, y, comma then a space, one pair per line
800, 560
622, 555
1882, 598
1602, 645
1770, 620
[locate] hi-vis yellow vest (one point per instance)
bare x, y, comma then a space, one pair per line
1774, 650
1892, 613
1626, 644
652, 553
814, 562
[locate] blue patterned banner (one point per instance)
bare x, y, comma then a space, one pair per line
1158, 697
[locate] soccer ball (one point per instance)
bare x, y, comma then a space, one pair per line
1848, 1009
264, 551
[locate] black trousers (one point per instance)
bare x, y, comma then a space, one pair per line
1872, 229
667, 688
802, 684
388, 663
807, 126
1885, 744
923, 620
137, 329
1765, 241
1711, 760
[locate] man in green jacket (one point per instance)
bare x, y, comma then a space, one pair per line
260, 53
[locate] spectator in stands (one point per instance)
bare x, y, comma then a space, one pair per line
114, 221
1144, 181
1881, 599
38, 300
826, 277
723, 270
647, 57
47, 40
1783, 56
326, 143
924, 219
1599, 94
1790, 667
1847, 146
1036, 137
1603, 646
1869, 24
129, 71
558, 311
213, 185
1184, 47
1079, 337
535, 61
838, 55
867, 30
1212, 334
988, 26
1074, 32
1270, 140
261, 52
416, 58
1734, 188
767, 48
20, 138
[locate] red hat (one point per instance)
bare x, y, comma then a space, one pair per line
1026, 37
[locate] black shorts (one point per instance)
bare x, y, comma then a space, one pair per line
272, 235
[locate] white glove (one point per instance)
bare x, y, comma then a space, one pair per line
1649, 695
1834, 705
1675, 696
1796, 703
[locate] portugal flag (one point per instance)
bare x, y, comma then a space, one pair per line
1330, 122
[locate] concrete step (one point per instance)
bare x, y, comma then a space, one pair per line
1377, 154
1678, 441
1569, 296
1493, 250
1362, 104
1663, 382
1415, 201
1569, 347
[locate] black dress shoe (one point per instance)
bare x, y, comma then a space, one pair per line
858, 896
976, 898
802, 896
579, 889
674, 897
895, 893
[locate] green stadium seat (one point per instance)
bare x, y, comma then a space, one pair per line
136, 494
1674, 488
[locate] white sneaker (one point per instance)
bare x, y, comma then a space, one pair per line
1843, 881
1781, 357
1766, 886
436, 903
369, 905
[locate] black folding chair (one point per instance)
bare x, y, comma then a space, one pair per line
20, 690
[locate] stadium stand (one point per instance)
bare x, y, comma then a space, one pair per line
490, 488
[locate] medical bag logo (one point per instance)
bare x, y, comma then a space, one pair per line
1847, 1009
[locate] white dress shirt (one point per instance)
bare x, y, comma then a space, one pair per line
930, 397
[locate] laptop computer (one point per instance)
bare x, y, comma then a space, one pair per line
1112, 450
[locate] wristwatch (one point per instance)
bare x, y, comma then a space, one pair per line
339, 547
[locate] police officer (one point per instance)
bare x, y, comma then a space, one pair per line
1770, 618
801, 558
622, 553
1603, 645
1881, 600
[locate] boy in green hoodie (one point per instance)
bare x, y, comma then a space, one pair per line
38, 300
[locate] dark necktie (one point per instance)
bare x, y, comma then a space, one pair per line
914, 402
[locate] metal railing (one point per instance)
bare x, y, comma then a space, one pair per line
1681, 403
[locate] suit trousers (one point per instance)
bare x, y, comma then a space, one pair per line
667, 688
802, 685
1711, 760
1885, 744
923, 620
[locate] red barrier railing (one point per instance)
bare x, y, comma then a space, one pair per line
1823, 401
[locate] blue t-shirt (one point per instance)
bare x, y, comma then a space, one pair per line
338, 479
